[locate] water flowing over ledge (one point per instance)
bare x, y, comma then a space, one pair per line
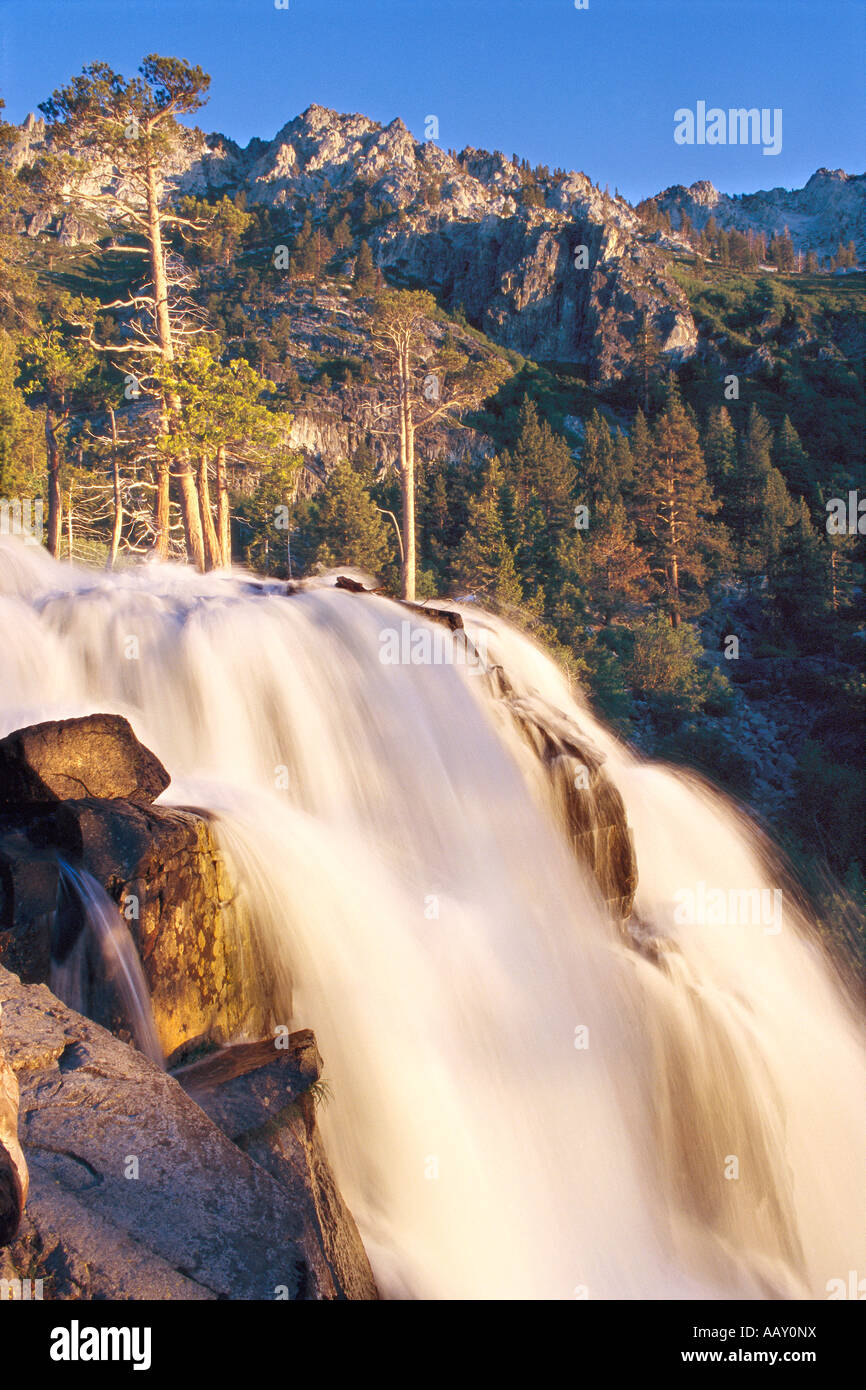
531, 1097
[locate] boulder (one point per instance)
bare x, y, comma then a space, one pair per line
67, 759
162, 867
264, 1097
136, 1193
13, 1169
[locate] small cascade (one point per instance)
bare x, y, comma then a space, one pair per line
105, 940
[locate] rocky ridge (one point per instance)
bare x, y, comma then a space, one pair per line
480, 242
831, 207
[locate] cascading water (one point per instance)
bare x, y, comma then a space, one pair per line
118, 962
528, 1100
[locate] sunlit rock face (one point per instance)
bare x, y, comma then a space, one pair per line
511, 260
79, 791
829, 208
67, 759
136, 1193
14, 1178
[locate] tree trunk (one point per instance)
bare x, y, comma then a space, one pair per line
163, 326
211, 541
223, 515
69, 525
163, 507
407, 476
191, 514
52, 454
409, 557
834, 594
117, 528
189, 496
675, 591
157, 268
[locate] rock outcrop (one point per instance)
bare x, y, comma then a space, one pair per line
136, 1193
482, 231
14, 1178
67, 759
162, 1201
587, 801
160, 866
830, 208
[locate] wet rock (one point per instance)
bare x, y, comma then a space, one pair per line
162, 867
66, 759
587, 802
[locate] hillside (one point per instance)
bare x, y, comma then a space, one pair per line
660, 365
488, 235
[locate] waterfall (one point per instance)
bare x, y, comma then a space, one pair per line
118, 962
528, 1098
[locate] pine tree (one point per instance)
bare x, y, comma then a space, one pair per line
801, 592
539, 481
613, 569
364, 274
599, 476
791, 458
747, 499
130, 126
778, 515
623, 461
674, 505
647, 358
344, 527
720, 449
640, 445
484, 562
422, 384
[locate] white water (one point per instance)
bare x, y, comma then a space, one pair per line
481, 1152
118, 960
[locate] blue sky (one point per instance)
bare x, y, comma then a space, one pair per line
592, 89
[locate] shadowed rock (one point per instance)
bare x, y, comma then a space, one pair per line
588, 803
263, 1096
162, 867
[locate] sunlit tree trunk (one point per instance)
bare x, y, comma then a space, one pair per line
211, 541
223, 514
117, 528
192, 520
52, 454
192, 526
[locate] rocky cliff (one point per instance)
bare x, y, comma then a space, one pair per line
830, 208
545, 264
